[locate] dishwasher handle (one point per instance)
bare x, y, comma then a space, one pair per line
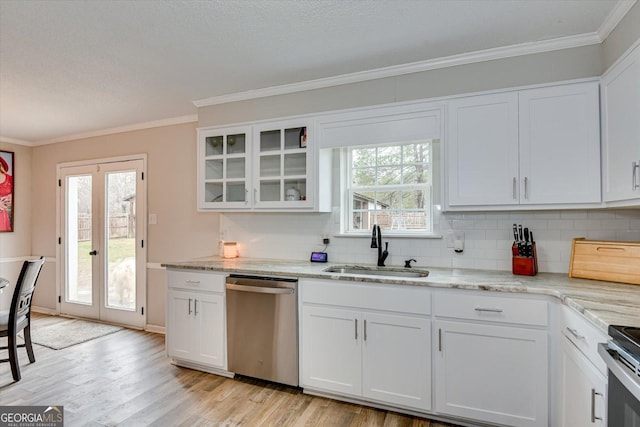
260, 289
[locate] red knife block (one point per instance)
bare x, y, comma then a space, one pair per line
525, 266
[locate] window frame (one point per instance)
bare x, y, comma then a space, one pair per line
348, 190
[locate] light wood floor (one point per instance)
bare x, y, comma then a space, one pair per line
126, 379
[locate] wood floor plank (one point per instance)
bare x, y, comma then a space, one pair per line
126, 379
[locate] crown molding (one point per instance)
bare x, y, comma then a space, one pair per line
15, 141
129, 128
614, 17
414, 67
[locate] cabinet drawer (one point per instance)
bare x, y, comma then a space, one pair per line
374, 296
196, 280
466, 305
583, 335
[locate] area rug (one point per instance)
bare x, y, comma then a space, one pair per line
71, 332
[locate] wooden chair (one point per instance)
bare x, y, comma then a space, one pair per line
18, 318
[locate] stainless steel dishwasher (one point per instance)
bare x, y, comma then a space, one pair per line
262, 327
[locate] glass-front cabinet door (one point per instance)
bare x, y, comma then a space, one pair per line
282, 165
224, 168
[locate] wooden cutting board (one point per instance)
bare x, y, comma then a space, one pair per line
605, 260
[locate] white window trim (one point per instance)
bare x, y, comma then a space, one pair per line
346, 207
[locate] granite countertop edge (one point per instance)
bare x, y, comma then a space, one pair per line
601, 303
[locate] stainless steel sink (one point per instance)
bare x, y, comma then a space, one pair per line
377, 271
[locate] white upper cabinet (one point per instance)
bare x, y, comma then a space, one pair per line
224, 168
482, 150
560, 144
282, 165
620, 88
268, 166
535, 148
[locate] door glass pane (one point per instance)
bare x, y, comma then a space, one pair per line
295, 164
236, 192
270, 165
213, 169
270, 140
79, 221
235, 168
121, 240
270, 191
213, 145
236, 144
295, 138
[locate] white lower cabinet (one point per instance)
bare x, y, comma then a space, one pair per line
396, 360
491, 358
582, 390
196, 326
496, 374
377, 356
332, 351
581, 379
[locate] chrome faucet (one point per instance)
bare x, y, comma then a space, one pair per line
376, 242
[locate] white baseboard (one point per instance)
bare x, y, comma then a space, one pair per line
44, 310
156, 328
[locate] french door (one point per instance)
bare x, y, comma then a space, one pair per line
102, 241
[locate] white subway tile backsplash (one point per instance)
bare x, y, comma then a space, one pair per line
488, 237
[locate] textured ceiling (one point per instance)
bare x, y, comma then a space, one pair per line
68, 67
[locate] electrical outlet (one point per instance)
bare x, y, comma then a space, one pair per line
325, 240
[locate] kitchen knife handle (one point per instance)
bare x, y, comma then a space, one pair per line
515, 183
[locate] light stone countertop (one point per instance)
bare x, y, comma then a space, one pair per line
602, 303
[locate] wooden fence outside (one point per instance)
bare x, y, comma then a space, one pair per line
120, 226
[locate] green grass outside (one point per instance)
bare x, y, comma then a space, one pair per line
119, 249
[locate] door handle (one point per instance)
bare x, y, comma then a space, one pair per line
526, 187
189, 306
260, 289
515, 195
195, 307
489, 310
575, 333
594, 393
93, 252
634, 175
356, 328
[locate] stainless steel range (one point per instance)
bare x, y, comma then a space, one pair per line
622, 356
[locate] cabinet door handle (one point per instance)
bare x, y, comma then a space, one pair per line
526, 187
189, 306
365, 329
195, 307
439, 339
594, 393
515, 183
490, 310
634, 175
575, 333
246, 196
356, 329
255, 195
192, 282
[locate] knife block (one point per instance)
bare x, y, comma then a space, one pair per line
525, 266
